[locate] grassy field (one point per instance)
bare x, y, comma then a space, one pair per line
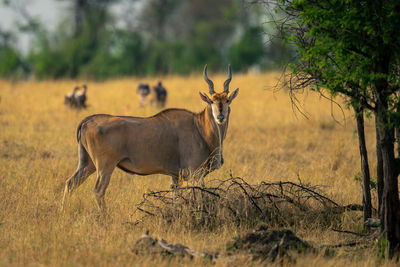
266, 140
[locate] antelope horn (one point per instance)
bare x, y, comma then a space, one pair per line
210, 83
226, 83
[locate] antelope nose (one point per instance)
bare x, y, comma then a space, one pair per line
220, 117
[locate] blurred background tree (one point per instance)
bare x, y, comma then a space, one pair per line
10, 60
148, 37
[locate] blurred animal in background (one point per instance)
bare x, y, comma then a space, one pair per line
69, 99
80, 98
160, 95
143, 91
76, 100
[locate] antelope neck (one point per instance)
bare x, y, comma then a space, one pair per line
211, 132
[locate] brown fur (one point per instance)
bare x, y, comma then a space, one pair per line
220, 97
174, 142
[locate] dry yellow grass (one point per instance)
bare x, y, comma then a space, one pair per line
265, 141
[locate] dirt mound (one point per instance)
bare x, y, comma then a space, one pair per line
264, 243
260, 243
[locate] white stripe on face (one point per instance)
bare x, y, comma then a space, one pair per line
220, 112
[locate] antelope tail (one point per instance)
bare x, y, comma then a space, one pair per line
78, 131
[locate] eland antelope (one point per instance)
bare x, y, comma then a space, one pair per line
174, 142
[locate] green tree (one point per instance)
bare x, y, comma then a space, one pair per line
153, 37
68, 53
11, 61
183, 35
248, 50
352, 48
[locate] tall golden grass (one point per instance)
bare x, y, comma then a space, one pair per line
266, 140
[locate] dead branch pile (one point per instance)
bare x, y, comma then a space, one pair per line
235, 201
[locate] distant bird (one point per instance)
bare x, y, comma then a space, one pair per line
80, 98
69, 99
143, 91
160, 95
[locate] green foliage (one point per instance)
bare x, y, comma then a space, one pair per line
352, 48
248, 50
171, 36
383, 247
123, 58
358, 178
9, 62
201, 47
349, 48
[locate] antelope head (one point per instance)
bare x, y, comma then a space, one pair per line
219, 102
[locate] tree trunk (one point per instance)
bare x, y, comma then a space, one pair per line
390, 213
79, 6
379, 168
397, 129
367, 206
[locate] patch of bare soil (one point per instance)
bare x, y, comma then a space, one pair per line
260, 244
263, 243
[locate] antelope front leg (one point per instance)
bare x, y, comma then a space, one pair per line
103, 179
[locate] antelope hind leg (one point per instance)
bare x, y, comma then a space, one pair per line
85, 169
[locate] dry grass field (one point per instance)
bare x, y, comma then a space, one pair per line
266, 141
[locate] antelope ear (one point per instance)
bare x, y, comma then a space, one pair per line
233, 95
205, 98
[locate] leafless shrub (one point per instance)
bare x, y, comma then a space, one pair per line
234, 201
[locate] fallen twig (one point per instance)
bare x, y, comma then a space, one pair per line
363, 240
348, 232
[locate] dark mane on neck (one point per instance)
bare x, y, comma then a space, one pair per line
166, 111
